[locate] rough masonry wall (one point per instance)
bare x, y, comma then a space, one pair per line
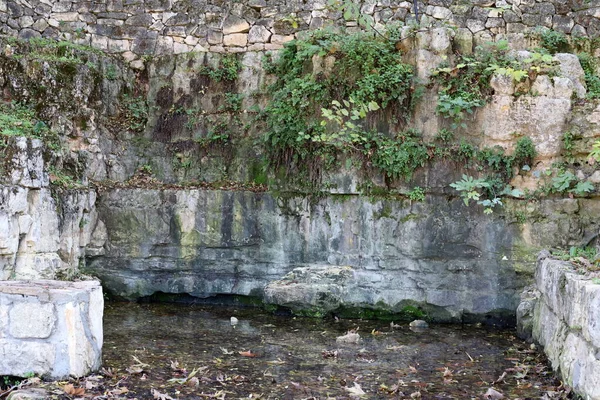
138, 27
49, 328
562, 314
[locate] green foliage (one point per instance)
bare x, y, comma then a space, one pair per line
351, 12
470, 188
110, 72
483, 192
228, 69
574, 252
568, 140
315, 113
135, 112
399, 157
345, 119
457, 107
465, 86
524, 151
589, 64
595, 153
60, 178
19, 120
233, 102
417, 194
567, 182
554, 41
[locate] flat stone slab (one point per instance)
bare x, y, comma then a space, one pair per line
50, 328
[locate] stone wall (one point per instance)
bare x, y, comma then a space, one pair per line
138, 27
562, 314
50, 328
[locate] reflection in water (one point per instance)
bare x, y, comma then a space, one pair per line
286, 358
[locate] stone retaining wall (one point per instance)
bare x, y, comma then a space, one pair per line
137, 27
50, 328
563, 315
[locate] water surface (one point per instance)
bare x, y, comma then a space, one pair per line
270, 357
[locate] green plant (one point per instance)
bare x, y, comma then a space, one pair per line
482, 191
322, 77
589, 64
135, 112
554, 41
232, 102
567, 182
568, 140
595, 153
17, 119
110, 72
524, 152
227, 70
400, 156
416, 194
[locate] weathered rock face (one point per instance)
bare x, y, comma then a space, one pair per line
42, 231
50, 328
562, 314
214, 242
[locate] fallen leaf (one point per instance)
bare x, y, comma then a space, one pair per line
73, 391
135, 369
412, 369
160, 396
247, 354
355, 390
225, 351
415, 395
447, 372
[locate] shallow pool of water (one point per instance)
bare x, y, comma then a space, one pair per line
152, 348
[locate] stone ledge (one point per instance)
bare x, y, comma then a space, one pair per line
50, 328
562, 314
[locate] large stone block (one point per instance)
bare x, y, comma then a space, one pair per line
32, 320
50, 328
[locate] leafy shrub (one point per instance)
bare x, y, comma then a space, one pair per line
554, 41
524, 151
592, 80
307, 117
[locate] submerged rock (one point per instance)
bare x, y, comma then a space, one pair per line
419, 323
350, 337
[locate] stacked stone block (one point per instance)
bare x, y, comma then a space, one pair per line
50, 328
137, 27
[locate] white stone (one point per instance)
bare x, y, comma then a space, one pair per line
66, 17
259, 34
20, 358
502, 84
281, 39
25, 223
438, 12
542, 86
26, 21
233, 24
236, 39
31, 320
571, 68
63, 318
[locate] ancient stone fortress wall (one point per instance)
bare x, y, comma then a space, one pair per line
562, 314
138, 27
50, 328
